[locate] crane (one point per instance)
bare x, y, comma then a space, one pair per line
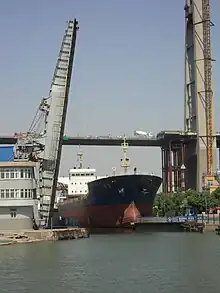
43, 141
208, 84
198, 88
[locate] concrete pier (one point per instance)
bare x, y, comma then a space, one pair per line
210, 227
163, 225
31, 236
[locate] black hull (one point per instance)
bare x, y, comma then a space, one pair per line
113, 201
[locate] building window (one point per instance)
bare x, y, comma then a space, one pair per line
16, 193
210, 182
7, 173
13, 213
7, 193
12, 193
12, 174
29, 173
2, 173
16, 173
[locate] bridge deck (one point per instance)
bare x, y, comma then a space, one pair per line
161, 139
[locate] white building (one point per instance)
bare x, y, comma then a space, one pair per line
18, 199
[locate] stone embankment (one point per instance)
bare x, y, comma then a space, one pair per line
31, 236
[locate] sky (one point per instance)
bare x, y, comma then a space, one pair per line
128, 71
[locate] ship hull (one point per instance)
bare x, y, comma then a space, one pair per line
113, 201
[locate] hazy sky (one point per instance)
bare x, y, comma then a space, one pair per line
128, 71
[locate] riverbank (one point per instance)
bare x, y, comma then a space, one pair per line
31, 236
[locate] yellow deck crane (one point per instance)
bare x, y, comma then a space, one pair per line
210, 176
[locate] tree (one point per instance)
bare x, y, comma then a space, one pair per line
175, 204
168, 204
216, 194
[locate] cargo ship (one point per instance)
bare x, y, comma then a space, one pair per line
112, 201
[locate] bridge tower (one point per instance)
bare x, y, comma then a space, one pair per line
43, 142
198, 108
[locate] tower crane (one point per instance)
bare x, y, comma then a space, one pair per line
208, 84
43, 142
198, 89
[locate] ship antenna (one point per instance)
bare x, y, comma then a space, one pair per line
125, 160
80, 158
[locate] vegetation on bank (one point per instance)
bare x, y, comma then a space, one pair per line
176, 204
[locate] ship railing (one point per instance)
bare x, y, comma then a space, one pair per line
143, 220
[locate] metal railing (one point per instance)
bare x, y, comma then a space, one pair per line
208, 219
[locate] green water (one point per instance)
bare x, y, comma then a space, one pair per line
117, 263
5, 241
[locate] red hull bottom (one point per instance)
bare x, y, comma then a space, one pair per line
104, 216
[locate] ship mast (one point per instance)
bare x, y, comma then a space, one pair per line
125, 160
80, 158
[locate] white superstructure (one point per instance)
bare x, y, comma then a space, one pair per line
64, 180
76, 184
78, 180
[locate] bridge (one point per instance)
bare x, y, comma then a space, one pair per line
91, 140
162, 139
